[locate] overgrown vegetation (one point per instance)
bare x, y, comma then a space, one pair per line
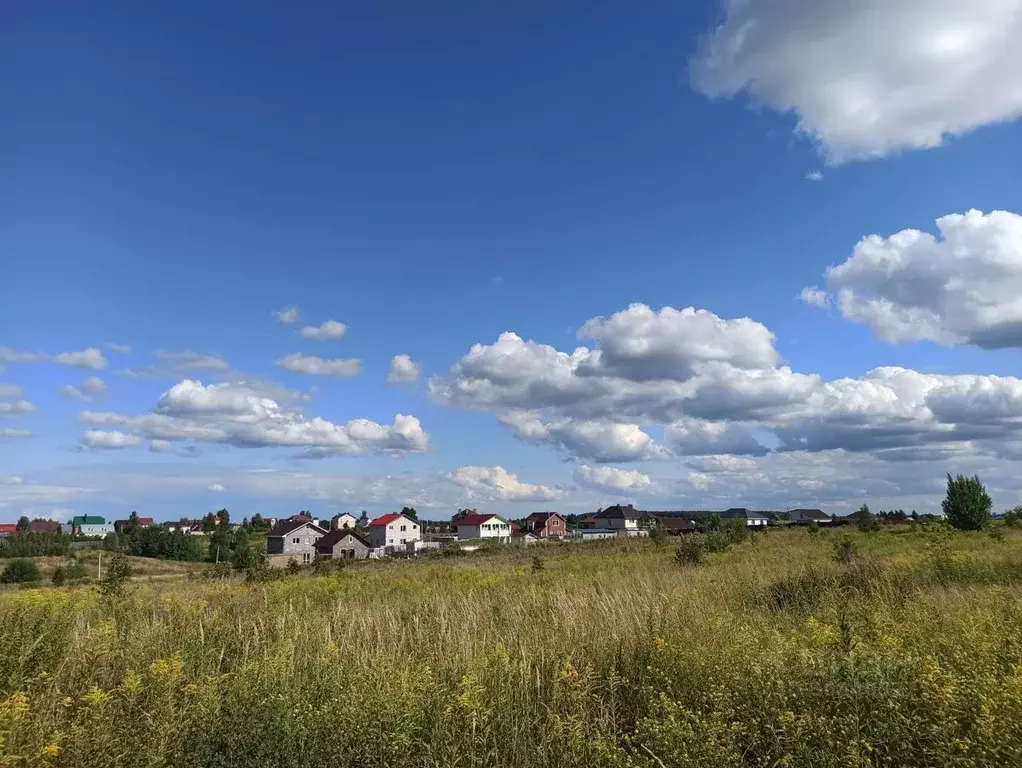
907, 651
967, 505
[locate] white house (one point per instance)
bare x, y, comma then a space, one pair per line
483, 527
394, 530
343, 520
752, 518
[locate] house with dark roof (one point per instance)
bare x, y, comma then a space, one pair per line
292, 540
546, 525
342, 544
752, 518
44, 526
394, 531
807, 516
483, 526
625, 519
142, 522
675, 525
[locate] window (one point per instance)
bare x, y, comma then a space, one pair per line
402, 541
403, 528
296, 540
306, 558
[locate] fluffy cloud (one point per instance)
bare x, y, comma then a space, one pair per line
815, 297
331, 329
964, 287
318, 366
288, 315
189, 360
15, 407
109, 439
403, 370
599, 407
215, 488
612, 480
88, 358
814, 176
11, 434
90, 389
497, 484
161, 446
871, 77
120, 348
241, 416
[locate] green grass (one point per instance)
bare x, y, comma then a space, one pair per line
769, 654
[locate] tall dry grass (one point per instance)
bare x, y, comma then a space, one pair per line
769, 654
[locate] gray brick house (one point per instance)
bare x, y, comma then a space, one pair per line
342, 544
292, 540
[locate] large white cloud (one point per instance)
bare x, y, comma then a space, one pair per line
403, 370
612, 480
870, 77
964, 287
242, 416
318, 366
497, 484
608, 413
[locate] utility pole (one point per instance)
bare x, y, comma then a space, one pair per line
99, 573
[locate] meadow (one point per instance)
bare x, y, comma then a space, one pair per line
902, 648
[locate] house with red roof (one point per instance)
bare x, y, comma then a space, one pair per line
483, 526
8, 529
394, 531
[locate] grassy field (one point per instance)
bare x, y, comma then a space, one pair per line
604, 654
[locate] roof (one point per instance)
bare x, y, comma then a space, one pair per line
389, 518
675, 523
477, 519
8, 528
809, 514
88, 520
741, 512
543, 517
284, 527
339, 534
618, 511
49, 526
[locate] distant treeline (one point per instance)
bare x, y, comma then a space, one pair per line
26, 544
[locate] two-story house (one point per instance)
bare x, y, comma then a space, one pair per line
343, 520
91, 526
546, 525
483, 526
394, 531
292, 540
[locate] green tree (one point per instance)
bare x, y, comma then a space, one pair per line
115, 576
19, 571
24, 524
242, 555
257, 522
865, 520
410, 513
1013, 517
967, 504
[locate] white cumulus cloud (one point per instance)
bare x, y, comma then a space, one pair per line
190, 360
108, 439
612, 480
89, 390
288, 315
964, 287
215, 488
331, 329
403, 370
343, 368
497, 484
815, 297
870, 77
88, 358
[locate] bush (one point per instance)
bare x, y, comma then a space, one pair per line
967, 504
736, 531
716, 541
115, 576
538, 566
71, 572
813, 528
20, 571
1013, 517
845, 550
866, 521
690, 549
35, 545
292, 567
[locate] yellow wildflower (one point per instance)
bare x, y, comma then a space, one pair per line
50, 751
96, 697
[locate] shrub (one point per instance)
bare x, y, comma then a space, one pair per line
1013, 517
996, 533
866, 521
538, 566
813, 528
845, 550
292, 567
736, 531
967, 505
19, 571
690, 549
115, 576
801, 591
69, 573
716, 541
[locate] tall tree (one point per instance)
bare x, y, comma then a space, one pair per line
967, 504
410, 513
24, 523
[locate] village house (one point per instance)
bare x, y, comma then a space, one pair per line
752, 518
44, 526
545, 525
483, 526
8, 529
807, 516
292, 540
342, 544
393, 530
90, 526
343, 520
624, 519
142, 522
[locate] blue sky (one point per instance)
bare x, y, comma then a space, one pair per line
433, 177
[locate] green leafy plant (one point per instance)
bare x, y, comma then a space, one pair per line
20, 571
967, 504
690, 549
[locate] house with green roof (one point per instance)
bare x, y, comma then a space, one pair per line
90, 526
